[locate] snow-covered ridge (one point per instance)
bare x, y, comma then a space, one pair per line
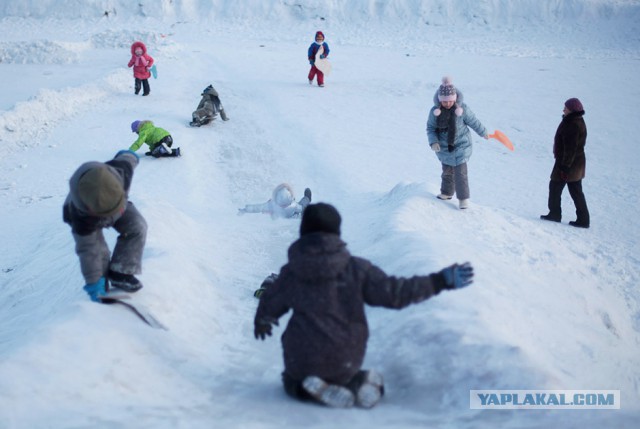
406, 12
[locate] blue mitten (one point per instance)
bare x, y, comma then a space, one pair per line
125, 151
96, 290
458, 276
322, 57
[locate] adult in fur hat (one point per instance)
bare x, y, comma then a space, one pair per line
449, 137
570, 165
208, 108
327, 288
282, 203
98, 199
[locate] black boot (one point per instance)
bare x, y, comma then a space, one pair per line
126, 282
138, 85
579, 224
551, 217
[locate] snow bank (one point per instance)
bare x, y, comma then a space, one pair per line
407, 12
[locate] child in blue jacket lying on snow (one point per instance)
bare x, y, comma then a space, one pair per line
282, 203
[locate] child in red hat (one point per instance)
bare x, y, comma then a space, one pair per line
311, 54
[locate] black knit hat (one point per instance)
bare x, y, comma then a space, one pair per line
320, 217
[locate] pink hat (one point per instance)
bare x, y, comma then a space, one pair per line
447, 91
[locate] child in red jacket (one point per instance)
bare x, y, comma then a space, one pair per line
141, 63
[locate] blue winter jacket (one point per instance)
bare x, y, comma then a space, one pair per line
463, 143
313, 49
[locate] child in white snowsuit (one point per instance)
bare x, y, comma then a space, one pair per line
282, 203
327, 288
208, 108
98, 199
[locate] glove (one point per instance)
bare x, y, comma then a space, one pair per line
262, 327
564, 173
312, 62
96, 290
458, 276
436, 147
322, 57
120, 152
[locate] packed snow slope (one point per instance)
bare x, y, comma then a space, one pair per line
552, 307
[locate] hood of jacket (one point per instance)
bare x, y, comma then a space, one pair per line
283, 195
136, 45
318, 256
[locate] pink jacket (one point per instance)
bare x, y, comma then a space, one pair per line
142, 63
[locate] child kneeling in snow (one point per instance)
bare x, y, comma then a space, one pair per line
208, 108
282, 203
98, 199
158, 139
326, 337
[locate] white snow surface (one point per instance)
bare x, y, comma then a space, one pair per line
552, 307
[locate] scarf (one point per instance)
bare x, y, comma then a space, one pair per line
447, 123
141, 61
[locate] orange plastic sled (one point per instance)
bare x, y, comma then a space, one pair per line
502, 138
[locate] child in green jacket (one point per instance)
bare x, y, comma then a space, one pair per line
158, 139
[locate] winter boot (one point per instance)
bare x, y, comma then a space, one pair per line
175, 152
371, 390
444, 197
579, 224
330, 395
551, 217
464, 204
307, 193
126, 282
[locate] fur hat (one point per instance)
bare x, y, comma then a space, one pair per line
574, 105
319, 34
134, 126
101, 191
320, 217
447, 92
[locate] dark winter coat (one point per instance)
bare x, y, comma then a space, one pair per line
568, 148
76, 214
327, 289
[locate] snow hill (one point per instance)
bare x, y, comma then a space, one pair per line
552, 307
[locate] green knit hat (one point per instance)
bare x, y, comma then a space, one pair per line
101, 191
